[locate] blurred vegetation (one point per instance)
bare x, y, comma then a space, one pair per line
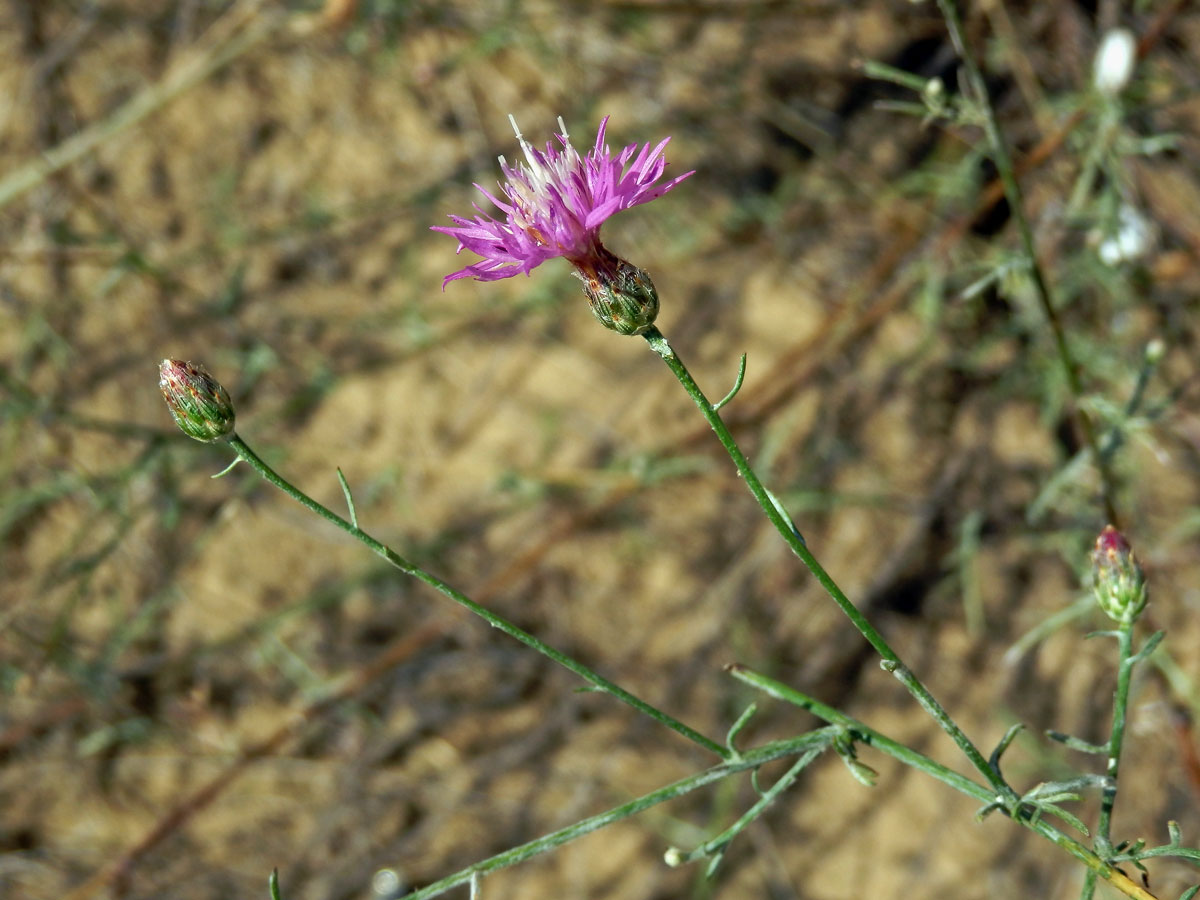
200, 683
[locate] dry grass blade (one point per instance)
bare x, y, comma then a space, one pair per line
239, 30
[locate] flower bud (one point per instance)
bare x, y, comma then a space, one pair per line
1155, 351
1117, 577
201, 407
621, 295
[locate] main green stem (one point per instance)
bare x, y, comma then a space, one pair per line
1012, 193
890, 661
408, 568
717, 845
1120, 702
1108, 799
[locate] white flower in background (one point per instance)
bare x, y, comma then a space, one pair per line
1132, 240
1115, 59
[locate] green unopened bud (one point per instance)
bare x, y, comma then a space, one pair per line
201, 407
621, 295
1155, 351
1117, 577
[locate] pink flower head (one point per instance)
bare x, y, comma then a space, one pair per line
554, 204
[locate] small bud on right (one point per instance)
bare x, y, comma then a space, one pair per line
1118, 581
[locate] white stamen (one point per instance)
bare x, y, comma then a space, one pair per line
529, 189
525, 145
517, 131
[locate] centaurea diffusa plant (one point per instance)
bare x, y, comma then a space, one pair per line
561, 194
555, 207
520, 243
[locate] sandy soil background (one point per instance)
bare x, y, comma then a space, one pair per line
268, 216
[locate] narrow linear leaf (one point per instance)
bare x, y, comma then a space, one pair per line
737, 385
349, 498
1150, 646
1077, 744
1009, 737
742, 721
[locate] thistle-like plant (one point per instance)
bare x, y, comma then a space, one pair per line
554, 206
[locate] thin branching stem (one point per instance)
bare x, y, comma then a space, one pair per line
890, 661
798, 746
1012, 191
1108, 798
409, 568
715, 847
1097, 866
1116, 738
